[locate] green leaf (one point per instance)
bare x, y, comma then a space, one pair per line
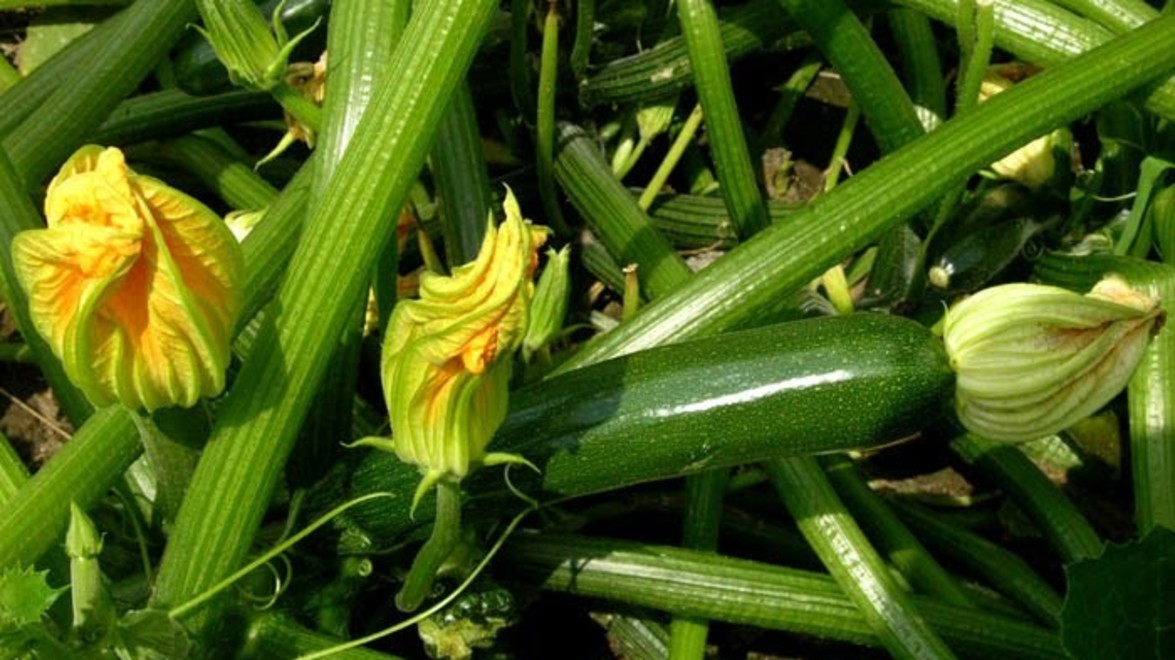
149, 635
53, 30
1122, 604
25, 596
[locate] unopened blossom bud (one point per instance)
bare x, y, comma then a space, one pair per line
551, 299
447, 356
1031, 359
134, 285
254, 55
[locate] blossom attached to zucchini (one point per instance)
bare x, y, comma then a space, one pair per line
447, 356
1032, 360
133, 284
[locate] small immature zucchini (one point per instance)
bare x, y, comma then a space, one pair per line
804, 387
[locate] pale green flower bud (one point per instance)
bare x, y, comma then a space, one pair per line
551, 298
254, 55
1032, 360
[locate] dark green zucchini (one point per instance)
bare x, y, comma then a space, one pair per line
805, 387
199, 72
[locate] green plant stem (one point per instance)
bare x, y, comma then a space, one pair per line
921, 64
704, 494
837, 162
34, 519
611, 212
1150, 405
1002, 569
901, 547
19, 353
789, 96
846, 43
544, 138
446, 533
520, 69
9, 76
231, 179
684, 138
86, 95
1044, 34
1058, 519
743, 592
658, 72
749, 280
13, 473
740, 189
171, 112
463, 183
300, 108
853, 563
585, 18
272, 636
1117, 15
344, 233
975, 42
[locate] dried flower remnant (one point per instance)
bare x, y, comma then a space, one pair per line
1031, 360
447, 356
133, 284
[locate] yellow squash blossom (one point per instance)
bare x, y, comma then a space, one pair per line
447, 355
133, 284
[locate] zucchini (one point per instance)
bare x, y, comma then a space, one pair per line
806, 387
199, 72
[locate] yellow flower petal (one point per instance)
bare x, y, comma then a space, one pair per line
132, 284
447, 356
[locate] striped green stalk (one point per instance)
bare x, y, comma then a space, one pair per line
1117, 15
665, 68
852, 561
87, 94
234, 181
9, 76
751, 278
691, 221
585, 23
13, 473
704, 494
463, 184
846, 43
1044, 34
27, 97
273, 636
746, 593
172, 112
922, 67
35, 517
609, 209
544, 132
346, 229
900, 546
728, 145
1149, 394
1002, 569
1058, 519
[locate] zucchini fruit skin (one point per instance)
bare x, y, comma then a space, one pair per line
804, 387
